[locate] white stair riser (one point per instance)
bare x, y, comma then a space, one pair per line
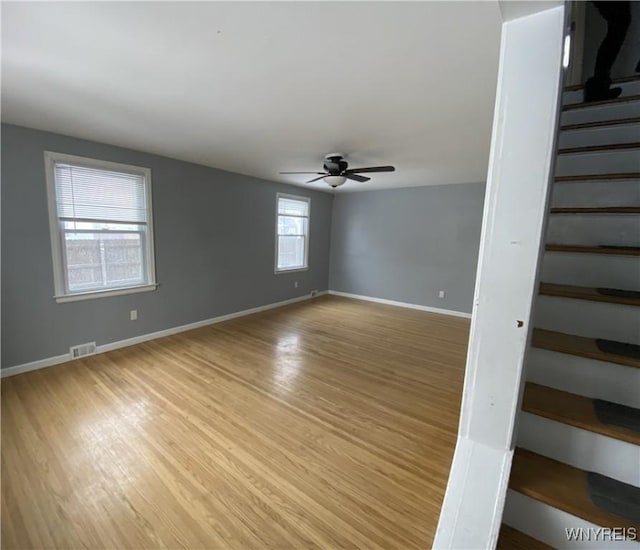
594, 270
577, 96
580, 448
583, 376
590, 319
620, 133
611, 111
594, 229
596, 193
598, 163
548, 525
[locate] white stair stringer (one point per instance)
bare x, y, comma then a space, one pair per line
590, 319
549, 525
580, 448
592, 270
584, 376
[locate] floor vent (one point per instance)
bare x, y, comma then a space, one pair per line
82, 350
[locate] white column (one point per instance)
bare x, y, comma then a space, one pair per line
518, 183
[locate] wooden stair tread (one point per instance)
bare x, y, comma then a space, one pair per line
512, 539
572, 409
584, 249
582, 105
561, 486
599, 177
599, 148
585, 293
599, 123
597, 210
579, 346
621, 80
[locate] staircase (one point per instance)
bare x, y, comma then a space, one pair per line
577, 461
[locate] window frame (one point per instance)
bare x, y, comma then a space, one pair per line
300, 198
61, 293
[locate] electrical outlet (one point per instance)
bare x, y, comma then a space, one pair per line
133, 315
441, 294
295, 284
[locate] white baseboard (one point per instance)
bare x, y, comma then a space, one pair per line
35, 365
403, 304
50, 361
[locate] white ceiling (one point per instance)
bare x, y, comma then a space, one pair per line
257, 88
515, 9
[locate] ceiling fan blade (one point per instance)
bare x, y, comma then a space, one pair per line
316, 179
300, 172
370, 169
355, 177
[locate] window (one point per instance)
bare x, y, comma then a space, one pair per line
292, 233
101, 230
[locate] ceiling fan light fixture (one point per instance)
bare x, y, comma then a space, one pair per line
336, 171
335, 181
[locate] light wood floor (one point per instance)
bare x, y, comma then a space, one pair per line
326, 424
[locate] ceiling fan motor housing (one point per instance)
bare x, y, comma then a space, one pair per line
335, 165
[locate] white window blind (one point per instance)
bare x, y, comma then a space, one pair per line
94, 194
292, 233
101, 226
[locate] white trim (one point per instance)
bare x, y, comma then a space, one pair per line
35, 365
292, 270
300, 198
104, 293
475, 469
57, 250
402, 304
54, 231
50, 361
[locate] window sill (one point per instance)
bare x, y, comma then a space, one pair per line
104, 293
293, 270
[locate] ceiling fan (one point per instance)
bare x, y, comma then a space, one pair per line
336, 171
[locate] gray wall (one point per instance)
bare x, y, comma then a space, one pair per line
214, 245
407, 244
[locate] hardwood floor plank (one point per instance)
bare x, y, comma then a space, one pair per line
325, 424
512, 539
